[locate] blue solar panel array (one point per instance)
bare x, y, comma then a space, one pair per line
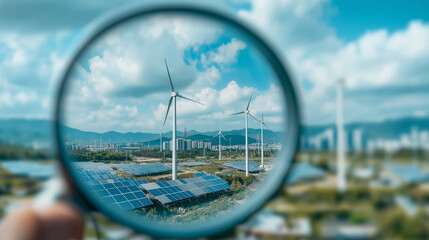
94, 171
143, 169
177, 190
241, 165
122, 192
200, 174
303, 172
411, 173
29, 169
193, 164
126, 181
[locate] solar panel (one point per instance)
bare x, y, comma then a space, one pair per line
200, 174
88, 175
192, 164
177, 190
94, 171
126, 181
241, 165
122, 192
143, 169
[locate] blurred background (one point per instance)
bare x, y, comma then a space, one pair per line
362, 70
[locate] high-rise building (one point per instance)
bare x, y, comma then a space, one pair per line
357, 140
166, 145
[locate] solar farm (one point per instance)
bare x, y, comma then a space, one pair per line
241, 166
129, 193
29, 169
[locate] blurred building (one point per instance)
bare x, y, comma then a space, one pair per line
266, 224
339, 230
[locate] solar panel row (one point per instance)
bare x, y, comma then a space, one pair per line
88, 175
192, 164
29, 169
127, 181
122, 192
176, 190
143, 169
241, 165
94, 171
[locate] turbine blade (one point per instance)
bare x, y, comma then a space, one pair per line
237, 113
189, 99
267, 126
169, 77
262, 115
216, 134
168, 109
248, 104
254, 118
223, 136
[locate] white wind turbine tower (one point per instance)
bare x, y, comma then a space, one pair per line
174, 94
341, 161
246, 112
262, 136
220, 146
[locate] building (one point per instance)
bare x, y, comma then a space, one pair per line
266, 224
185, 144
357, 140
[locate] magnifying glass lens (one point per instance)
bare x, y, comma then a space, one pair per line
176, 118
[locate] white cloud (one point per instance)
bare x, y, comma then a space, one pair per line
219, 104
377, 60
224, 54
232, 93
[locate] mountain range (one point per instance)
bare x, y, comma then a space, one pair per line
38, 133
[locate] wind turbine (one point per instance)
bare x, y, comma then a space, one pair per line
262, 136
220, 134
246, 112
174, 95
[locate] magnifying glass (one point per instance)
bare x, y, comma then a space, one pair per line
178, 122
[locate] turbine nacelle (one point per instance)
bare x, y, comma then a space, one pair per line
174, 94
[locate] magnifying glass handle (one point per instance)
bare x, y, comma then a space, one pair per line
55, 190
52, 190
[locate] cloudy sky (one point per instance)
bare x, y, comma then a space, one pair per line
121, 82
381, 50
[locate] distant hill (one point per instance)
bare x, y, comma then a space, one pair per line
387, 129
38, 133
75, 135
34, 133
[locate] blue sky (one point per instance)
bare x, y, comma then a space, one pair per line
381, 49
353, 18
